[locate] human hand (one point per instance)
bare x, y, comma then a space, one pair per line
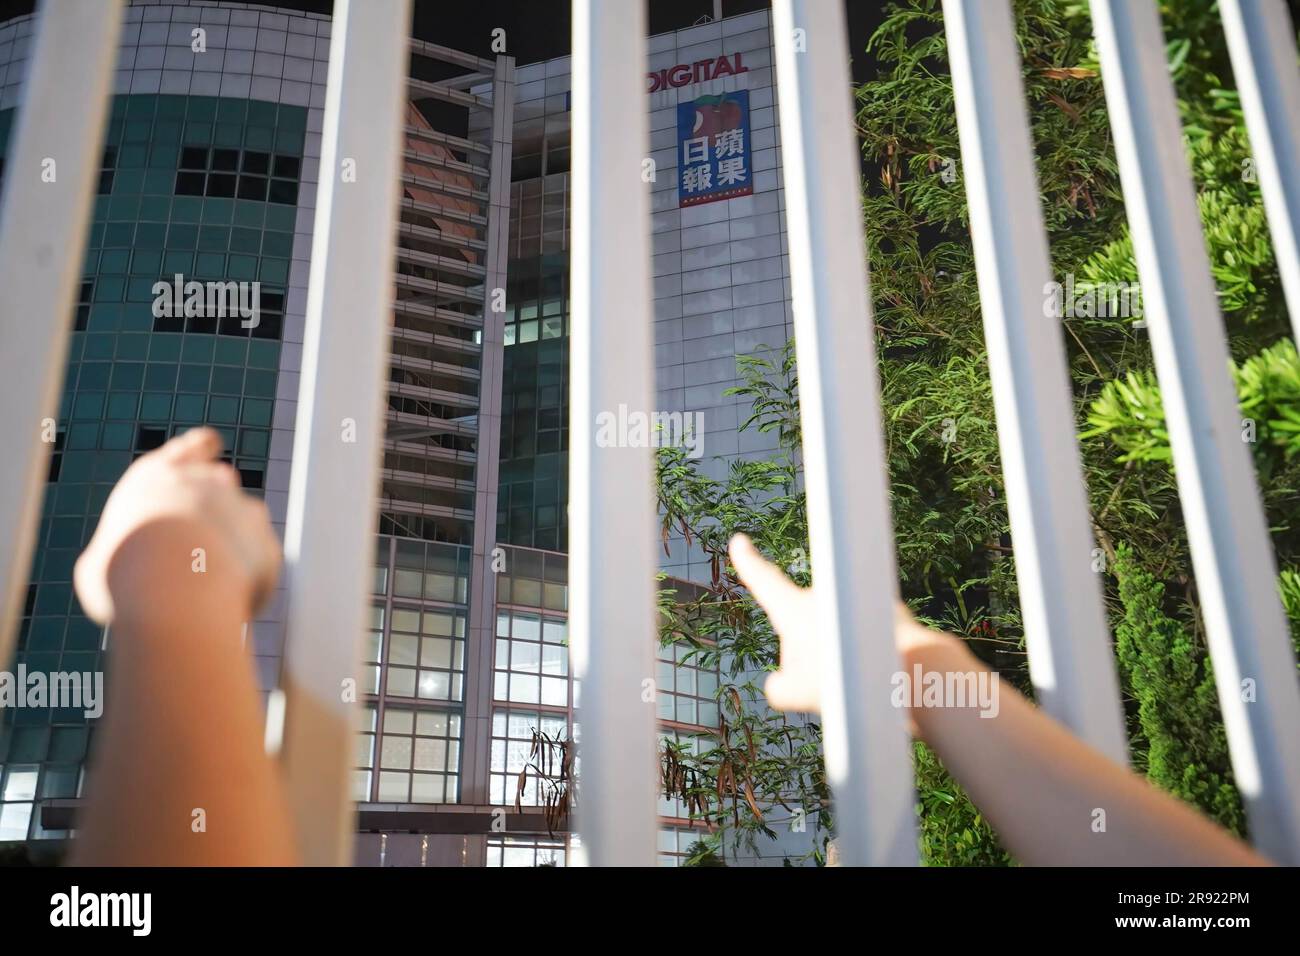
181, 481
796, 685
793, 613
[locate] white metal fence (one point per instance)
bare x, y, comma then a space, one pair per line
42, 240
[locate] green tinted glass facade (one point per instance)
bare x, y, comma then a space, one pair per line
201, 187
534, 478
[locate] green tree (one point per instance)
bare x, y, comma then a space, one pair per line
763, 770
701, 853
1170, 676
950, 518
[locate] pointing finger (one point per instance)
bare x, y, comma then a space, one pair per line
760, 575
195, 445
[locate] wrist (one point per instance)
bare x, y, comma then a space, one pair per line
933, 649
924, 653
177, 567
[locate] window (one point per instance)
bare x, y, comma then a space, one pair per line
431, 586
674, 842
84, 298
365, 755
692, 743
419, 755
534, 580
226, 173
17, 796
525, 851
512, 744
426, 654
685, 688
105, 176
532, 659
373, 654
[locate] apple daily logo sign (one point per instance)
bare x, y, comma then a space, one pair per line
701, 71
713, 149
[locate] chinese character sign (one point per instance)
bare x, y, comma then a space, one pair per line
713, 149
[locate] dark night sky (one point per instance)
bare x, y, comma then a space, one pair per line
539, 29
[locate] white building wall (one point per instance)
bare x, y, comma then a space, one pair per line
721, 270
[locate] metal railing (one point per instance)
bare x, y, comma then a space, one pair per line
49, 188
1231, 553
330, 529
612, 510
331, 513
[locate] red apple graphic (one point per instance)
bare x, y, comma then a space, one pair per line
714, 115
708, 121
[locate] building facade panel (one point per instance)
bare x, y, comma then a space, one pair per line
720, 273
209, 173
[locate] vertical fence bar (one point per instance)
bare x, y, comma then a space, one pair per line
49, 192
330, 526
1070, 657
1262, 44
867, 756
612, 510
1231, 553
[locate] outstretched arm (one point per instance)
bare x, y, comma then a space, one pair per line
180, 776
1038, 784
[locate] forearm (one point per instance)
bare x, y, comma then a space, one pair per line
1051, 798
180, 776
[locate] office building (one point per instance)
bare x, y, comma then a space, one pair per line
211, 168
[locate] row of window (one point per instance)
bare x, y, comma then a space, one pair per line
158, 348
161, 406
417, 752
685, 688
204, 265
514, 589
532, 659
71, 467
178, 255
201, 388
529, 650
512, 752
425, 654
414, 653
139, 115
527, 851
530, 330
151, 226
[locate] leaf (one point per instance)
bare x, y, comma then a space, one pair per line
519, 788
1067, 73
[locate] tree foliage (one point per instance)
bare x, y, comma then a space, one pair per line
1172, 680
950, 518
